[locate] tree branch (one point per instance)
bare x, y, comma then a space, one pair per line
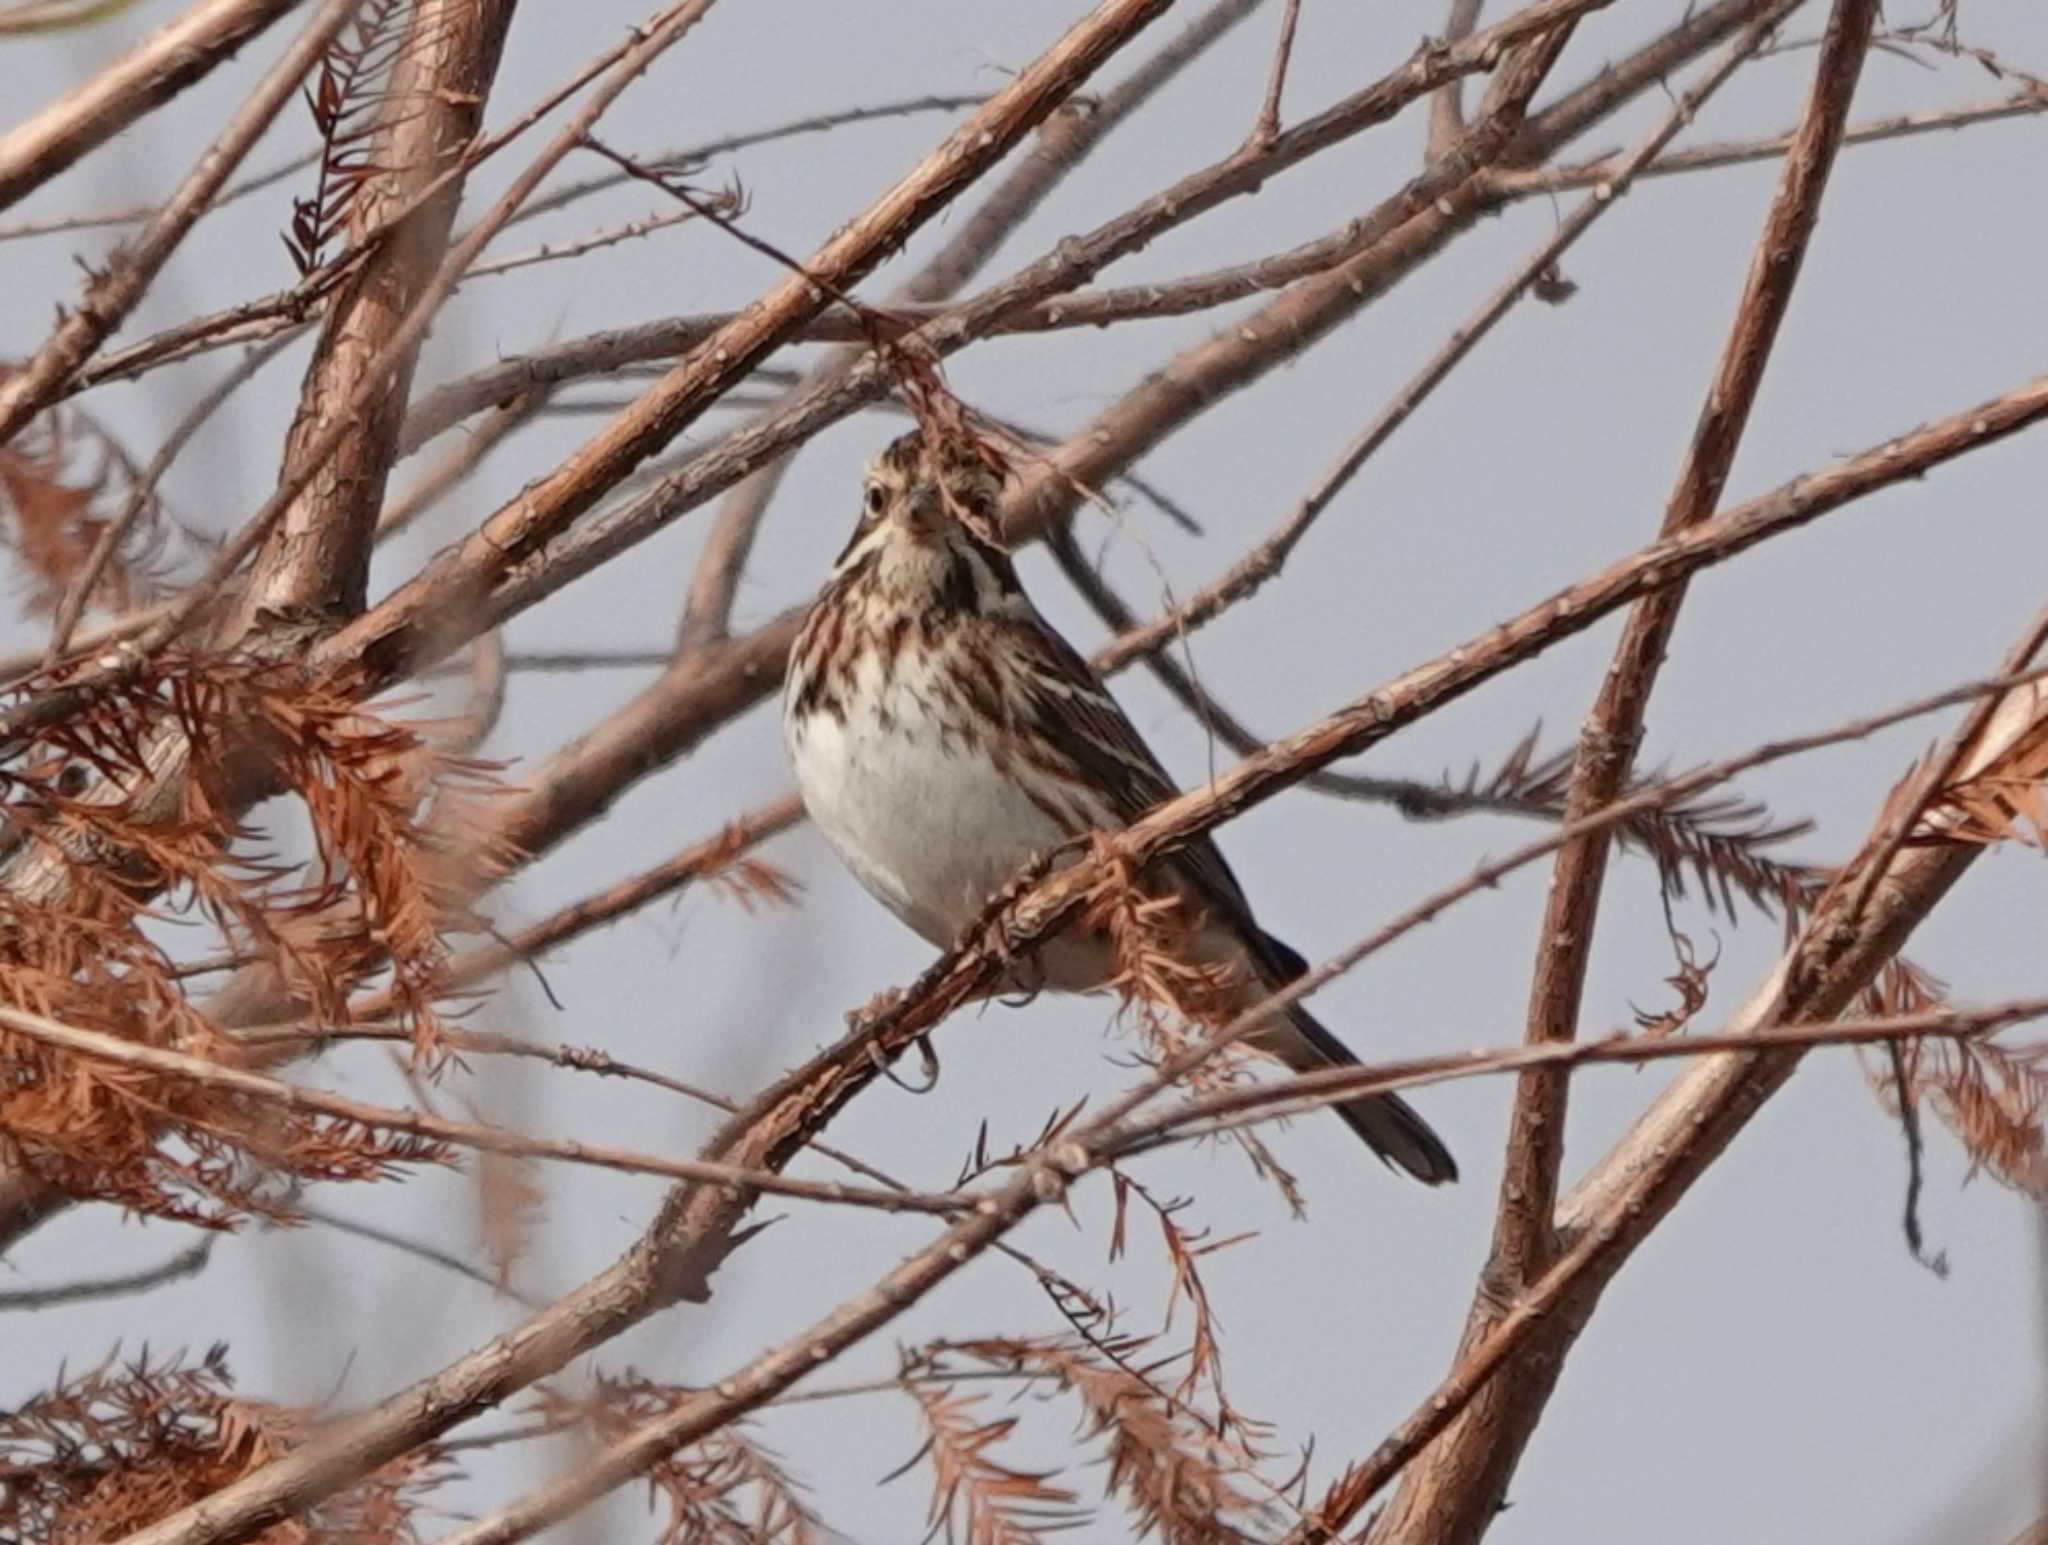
1691, 1123
110, 295
1455, 1494
155, 70
316, 559
1064, 140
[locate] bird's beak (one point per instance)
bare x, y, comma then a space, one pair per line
924, 511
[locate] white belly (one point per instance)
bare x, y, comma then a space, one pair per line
931, 832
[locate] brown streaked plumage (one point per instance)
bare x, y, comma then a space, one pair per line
943, 735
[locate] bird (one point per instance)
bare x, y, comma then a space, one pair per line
943, 736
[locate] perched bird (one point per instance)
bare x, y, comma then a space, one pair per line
943, 735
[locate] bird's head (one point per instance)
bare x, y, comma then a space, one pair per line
924, 495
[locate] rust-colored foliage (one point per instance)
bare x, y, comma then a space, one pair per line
348, 107
87, 950
115, 1449
751, 882
1992, 1095
1185, 1249
1168, 1467
721, 1491
53, 510
977, 1499
2004, 801
1173, 995
1721, 842
1688, 980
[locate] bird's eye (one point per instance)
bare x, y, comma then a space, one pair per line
876, 498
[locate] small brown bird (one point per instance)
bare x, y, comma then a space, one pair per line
943, 735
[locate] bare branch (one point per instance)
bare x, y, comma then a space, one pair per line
315, 561
1447, 106
452, 588
1635, 1186
2028, 102
154, 71
467, 1134
1455, 1494
393, 637
1062, 143
111, 295
1266, 128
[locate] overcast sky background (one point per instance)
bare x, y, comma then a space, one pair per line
1773, 1366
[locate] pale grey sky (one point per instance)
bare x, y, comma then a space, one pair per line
1773, 1367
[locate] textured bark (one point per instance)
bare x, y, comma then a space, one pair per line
317, 559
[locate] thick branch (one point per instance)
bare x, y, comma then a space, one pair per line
1692, 1122
1455, 1493
317, 558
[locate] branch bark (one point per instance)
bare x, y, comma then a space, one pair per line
153, 72
418, 621
478, 580
111, 294
1691, 1123
1455, 1493
1065, 139
317, 558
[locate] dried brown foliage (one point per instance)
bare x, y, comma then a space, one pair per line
1185, 1249
977, 1499
1721, 842
1688, 980
1185, 1246
58, 481
1175, 1474
99, 959
1992, 1094
726, 1490
109, 1451
2006, 801
348, 102
1172, 994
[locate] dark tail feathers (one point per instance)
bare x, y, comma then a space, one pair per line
1387, 1122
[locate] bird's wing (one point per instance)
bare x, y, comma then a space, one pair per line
1072, 711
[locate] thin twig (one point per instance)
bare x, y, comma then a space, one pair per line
78, 594
489, 1139
188, 1262
1266, 128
